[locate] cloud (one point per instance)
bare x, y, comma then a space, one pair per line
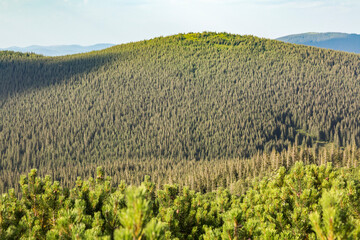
309, 3
297, 3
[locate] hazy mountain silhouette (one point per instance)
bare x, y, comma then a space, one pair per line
59, 50
336, 41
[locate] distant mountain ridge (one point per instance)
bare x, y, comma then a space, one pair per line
330, 40
59, 50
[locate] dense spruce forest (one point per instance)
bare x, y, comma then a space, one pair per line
199, 136
152, 106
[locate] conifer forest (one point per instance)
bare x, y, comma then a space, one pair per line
191, 136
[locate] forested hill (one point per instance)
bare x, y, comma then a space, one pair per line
188, 96
330, 40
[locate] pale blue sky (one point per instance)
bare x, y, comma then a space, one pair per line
85, 22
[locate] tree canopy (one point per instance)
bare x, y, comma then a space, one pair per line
197, 96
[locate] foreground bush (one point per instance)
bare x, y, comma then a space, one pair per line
306, 202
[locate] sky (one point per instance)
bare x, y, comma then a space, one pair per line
86, 22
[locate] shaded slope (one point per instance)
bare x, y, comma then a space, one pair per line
336, 41
194, 96
25, 71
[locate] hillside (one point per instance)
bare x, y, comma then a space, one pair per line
336, 41
184, 97
58, 50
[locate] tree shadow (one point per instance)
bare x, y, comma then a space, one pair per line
23, 72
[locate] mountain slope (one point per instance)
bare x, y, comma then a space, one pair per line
336, 41
193, 96
59, 50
